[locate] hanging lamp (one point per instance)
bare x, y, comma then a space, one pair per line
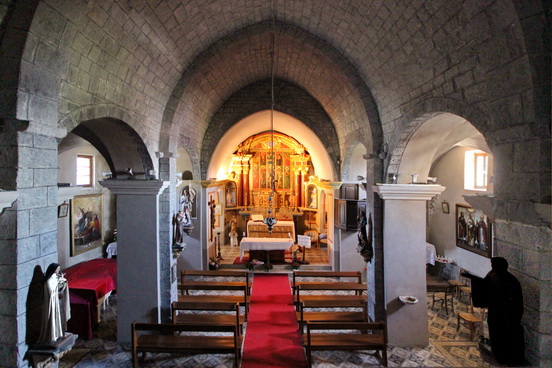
270, 220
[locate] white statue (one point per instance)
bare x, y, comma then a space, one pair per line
56, 312
233, 232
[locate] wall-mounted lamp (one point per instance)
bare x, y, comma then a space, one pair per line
362, 181
107, 174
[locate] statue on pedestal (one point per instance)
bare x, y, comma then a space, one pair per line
233, 234
57, 309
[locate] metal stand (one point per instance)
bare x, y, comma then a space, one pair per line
304, 260
219, 245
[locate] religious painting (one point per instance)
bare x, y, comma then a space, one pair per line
86, 223
445, 207
473, 230
63, 209
230, 194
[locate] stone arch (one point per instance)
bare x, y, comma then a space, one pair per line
14, 31
93, 121
351, 152
119, 144
434, 138
289, 99
192, 154
429, 109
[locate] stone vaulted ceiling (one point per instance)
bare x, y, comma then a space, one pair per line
168, 66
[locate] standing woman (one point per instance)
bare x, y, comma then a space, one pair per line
56, 313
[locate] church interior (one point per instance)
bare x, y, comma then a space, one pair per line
407, 141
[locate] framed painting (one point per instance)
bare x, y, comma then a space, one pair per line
230, 194
474, 230
445, 207
86, 223
63, 209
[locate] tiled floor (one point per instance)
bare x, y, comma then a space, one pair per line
448, 348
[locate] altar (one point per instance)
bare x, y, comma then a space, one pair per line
267, 244
282, 229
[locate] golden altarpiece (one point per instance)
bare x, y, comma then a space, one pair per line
297, 190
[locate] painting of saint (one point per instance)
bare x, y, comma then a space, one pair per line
473, 230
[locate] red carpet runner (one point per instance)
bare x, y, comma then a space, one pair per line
272, 335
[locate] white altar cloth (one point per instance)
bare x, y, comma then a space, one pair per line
264, 244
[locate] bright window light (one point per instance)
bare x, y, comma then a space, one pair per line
476, 170
85, 170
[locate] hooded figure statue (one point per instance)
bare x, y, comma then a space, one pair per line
56, 313
505, 303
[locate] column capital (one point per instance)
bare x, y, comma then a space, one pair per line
205, 183
7, 199
420, 192
135, 187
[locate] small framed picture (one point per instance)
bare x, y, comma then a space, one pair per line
445, 207
63, 209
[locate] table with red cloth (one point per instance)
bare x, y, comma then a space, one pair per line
89, 283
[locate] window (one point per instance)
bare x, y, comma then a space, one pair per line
475, 170
85, 170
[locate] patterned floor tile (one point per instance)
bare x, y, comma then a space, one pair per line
447, 348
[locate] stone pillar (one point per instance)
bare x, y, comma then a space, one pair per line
167, 209
404, 241
138, 261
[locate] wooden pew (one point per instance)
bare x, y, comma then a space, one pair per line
240, 276
164, 338
336, 287
241, 297
356, 276
317, 311
192, 314
359, 336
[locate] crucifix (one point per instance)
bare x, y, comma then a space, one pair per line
212, 206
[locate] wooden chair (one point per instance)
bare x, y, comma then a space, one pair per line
314, 235
445, 297
464, 289
473, 319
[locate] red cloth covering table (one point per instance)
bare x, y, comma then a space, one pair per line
83, 317
92, 281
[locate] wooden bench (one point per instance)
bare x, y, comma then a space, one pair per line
356, 276
242, 297
164, 338
317, 311
191, 313
241, 276
359, 336
336, 287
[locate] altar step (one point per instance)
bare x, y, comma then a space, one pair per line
278, 268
